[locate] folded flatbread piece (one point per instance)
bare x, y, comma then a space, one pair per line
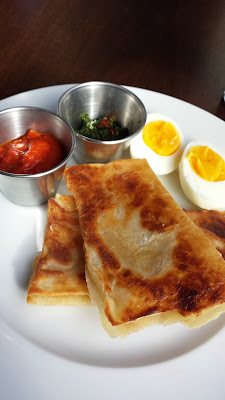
59, 273
212, 224
146, 261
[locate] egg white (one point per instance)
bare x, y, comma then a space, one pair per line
204, 194
161, 165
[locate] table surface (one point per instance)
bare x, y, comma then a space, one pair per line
172, 47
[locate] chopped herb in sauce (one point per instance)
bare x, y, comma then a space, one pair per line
104, 128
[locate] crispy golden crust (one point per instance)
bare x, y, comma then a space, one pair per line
59, 276
212, 224
144, 255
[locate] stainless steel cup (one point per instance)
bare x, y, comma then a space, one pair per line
99, 99
33, 190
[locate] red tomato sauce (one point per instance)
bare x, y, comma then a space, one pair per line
31, 153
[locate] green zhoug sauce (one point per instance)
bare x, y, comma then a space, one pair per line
105, 128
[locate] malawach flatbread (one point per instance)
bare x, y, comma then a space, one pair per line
146, 261
212, 224
59, 271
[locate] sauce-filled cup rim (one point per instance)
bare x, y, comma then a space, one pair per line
66, 159
116, 87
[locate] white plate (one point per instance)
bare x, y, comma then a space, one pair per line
63, 352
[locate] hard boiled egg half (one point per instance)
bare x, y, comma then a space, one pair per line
160, 142
202, 175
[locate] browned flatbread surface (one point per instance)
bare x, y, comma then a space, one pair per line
59, 272
146, 261
212, 224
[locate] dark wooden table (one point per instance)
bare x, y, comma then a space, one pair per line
173, 47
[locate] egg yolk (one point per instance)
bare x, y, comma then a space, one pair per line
206, 163
162, 137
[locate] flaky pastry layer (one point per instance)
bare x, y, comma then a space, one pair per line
59, 271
